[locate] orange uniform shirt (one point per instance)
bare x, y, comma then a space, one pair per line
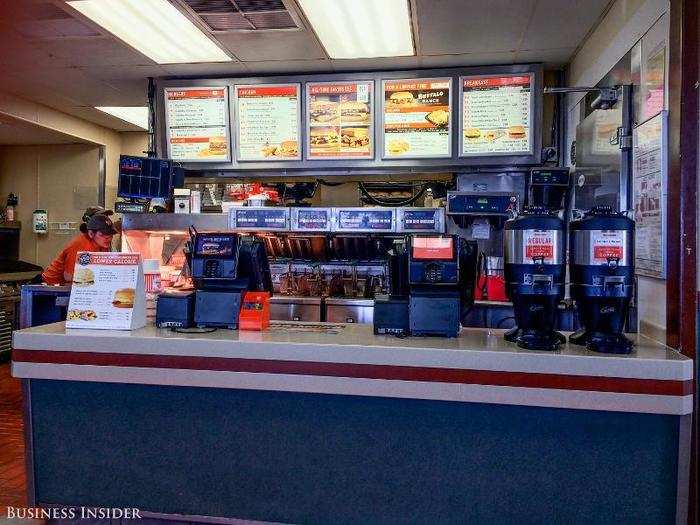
65, 261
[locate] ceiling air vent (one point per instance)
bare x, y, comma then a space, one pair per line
45, 21
242, 15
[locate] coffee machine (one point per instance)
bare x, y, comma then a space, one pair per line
602, 278
535, 272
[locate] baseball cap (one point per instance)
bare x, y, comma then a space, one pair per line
95, 210
101, 223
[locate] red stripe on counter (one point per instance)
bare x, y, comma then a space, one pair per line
388, 372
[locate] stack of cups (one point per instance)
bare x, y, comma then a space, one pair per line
151, 273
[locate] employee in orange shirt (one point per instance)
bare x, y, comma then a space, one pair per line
95, 236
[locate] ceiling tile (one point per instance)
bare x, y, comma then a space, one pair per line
16, 51
369, 64
289, 66
94, 52
574, 19
471, 26
549, 57
467, 59
204, 70
272, 45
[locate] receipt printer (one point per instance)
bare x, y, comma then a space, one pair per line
175, 310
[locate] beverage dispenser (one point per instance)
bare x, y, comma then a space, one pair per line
602, 278
535, 272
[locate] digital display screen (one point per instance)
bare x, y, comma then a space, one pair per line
365, 220
261, 218
432, 248
312, 219
219, 245
420, 219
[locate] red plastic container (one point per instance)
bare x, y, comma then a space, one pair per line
255, 311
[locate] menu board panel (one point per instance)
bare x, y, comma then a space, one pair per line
416, 118
196, 121
267, 122
496, 115
339, 120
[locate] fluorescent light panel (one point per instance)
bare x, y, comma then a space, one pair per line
156, 28
137, 116
361, 28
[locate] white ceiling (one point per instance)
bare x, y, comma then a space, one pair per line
74, 73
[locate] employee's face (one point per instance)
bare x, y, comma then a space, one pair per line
102, 240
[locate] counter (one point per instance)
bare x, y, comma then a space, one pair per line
333, 424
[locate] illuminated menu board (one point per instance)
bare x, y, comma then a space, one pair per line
197, 125
496, 115
339, 120
267, 122
416, 118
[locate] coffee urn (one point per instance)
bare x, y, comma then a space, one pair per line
602, 278
535, 273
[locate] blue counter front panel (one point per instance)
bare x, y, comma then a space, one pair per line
306, 458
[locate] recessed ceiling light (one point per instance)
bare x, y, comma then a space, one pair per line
138, 116
156, 28
361, 28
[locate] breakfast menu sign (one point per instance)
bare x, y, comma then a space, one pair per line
416, 119
268, 123
496, 112
197, 124
339, 118
108, 292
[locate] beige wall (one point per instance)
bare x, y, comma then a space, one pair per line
63, 179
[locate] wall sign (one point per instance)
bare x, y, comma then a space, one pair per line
496, 115
197, 124
649, 176
267, 122
416, 118
339, 120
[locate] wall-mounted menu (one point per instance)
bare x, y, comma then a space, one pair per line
496, 115
339, 120
267, 122
197, 124
416, 119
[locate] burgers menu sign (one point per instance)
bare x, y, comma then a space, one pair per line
268, 122
339, 120
197, 124
417, 118
496, 114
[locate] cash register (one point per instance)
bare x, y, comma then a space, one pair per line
433, 278
224, 266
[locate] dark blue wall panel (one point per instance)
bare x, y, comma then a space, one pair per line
337, 459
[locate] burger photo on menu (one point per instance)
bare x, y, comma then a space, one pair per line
124, 298
288, 148
217, 148
323, 111
324, 137
352, 111
84, 277
402, 98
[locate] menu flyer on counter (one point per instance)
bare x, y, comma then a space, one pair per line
108, 292
267, 119
339, 117
416, 118
197, 124
496, 115
649, 173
